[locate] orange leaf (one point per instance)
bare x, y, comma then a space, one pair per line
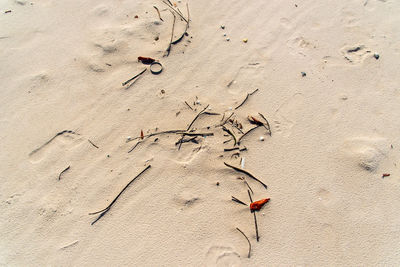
257, 205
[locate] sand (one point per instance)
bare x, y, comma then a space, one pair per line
334, 133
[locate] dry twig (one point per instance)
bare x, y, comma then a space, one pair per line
105, 210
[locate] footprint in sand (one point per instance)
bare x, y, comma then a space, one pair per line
61, 142
366, 152
222, 256
285, 116
355, 54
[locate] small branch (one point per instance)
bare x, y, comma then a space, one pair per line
231, 149
66, 169
255, 218
93, 144
247, 96
130, 150
158, 12
246, 133
188, 105
211, 113
248, 241
245, 172
238, 201
105, 210
134, 77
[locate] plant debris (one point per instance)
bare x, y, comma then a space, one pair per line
257, 205
106, 209
66, 169
248, 241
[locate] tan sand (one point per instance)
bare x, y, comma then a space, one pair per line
334, 133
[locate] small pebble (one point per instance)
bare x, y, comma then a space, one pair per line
228, 39
303, 74
261, 138
136, 16
376, 56
198, 102
223, 27
128, 138
108, 156
217, 183
230, 108
245, 40
224, 34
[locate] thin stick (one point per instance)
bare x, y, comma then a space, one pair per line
199, 134
134, 77
248, 186
93, 144
188, 105
245, 172
238, 201
246, 133
248, 241
171, 7
66, 169
247, 96
188, 19
226, 141
230, 149
172, 36
158, 12
269, 127
255, 218
130, 150
104, 211
211, 113
51, 139
230, 133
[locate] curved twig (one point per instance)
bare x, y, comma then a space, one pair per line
245, 172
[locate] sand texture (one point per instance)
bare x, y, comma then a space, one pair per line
328, 80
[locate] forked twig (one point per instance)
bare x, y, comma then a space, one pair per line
245, 172
248, 241
105, 210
